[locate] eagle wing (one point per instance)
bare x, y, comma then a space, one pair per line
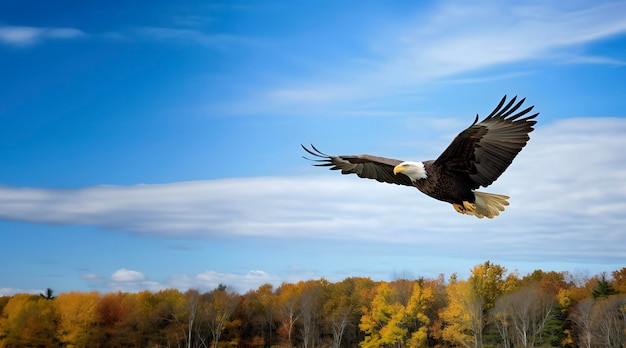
365, 166
484, 150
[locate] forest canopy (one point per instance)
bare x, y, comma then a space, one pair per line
493, 307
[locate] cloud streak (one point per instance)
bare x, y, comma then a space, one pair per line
188, 36
29, 35
566, 187
25, 35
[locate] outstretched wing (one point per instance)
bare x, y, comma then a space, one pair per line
365, 166
484, 150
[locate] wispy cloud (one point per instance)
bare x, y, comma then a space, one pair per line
13, 291
29, 35
566, 187
460, 38
513, 33
24, 35
90, 276
187, 36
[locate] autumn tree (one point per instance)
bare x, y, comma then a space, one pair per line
147, 324
269, 305
113, 311
600, 322
609, 319
502, 321
397, 315
383, 321
28, 321
218, 306
189, 311
619, 280
3, 302
582, 317
312, 295
289, 309
362, 296
488, 281
167, 314
522, 316
257, 312
435, 310
78, 318
151, 318
416, 312
342, 309
548, 282
463, 317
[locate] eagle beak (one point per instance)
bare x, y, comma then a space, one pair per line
397, 169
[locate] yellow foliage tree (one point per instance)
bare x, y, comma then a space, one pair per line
419, 303
28, 321
78, 314
381, 323
463, 315
488, 282
397, 316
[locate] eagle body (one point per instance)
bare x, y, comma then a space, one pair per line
444, 186
475, 158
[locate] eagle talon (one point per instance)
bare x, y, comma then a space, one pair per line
471, 207
459, 208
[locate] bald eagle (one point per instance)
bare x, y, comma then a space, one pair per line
476, 157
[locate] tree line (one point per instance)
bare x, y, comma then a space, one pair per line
492, 308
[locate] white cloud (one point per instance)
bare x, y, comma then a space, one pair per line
130, 281
22, 35
126, 275
566, 188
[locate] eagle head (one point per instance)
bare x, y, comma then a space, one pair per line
414, 170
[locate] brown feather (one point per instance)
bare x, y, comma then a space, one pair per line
365, 166
485, 149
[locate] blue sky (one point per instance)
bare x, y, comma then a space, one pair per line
151, 146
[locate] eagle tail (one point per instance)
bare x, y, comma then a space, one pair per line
488, 204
